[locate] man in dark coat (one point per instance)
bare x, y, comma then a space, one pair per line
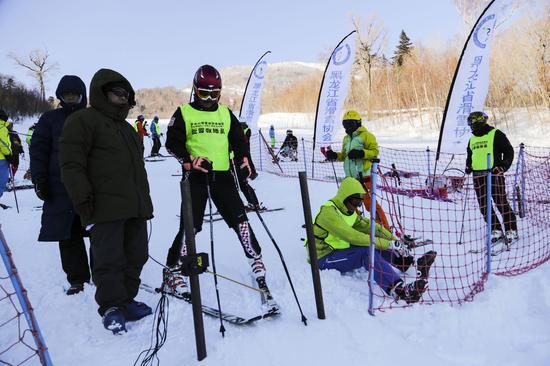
59, 221
488, 140
103, 170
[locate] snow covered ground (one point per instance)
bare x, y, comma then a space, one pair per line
507, 324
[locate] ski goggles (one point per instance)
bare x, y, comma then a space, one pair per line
120, 92
477, 118
205, 94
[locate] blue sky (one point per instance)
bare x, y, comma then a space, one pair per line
162, 42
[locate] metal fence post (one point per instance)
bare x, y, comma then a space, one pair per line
489, 211
304, 153
374, 178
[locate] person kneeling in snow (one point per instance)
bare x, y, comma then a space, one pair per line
342, 240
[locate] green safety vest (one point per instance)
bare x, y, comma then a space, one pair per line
480, 147
333, 241
207, 134
157, 128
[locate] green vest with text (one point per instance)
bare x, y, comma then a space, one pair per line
207, 134
332, 240
481, 146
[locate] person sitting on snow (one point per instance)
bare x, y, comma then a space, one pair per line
342, 241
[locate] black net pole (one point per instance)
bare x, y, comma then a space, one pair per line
311, 246
189, 235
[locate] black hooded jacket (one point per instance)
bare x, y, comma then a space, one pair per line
101, 157
503, 152
58, 212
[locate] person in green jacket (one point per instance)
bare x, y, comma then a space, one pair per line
358, 149
5, 151
103, 171
342, 241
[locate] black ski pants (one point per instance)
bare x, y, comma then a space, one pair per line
74, 258
498, 195
119, 249
156, 146
226, 198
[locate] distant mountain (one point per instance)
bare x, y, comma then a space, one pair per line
280, 76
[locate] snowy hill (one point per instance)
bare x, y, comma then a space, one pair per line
507, 324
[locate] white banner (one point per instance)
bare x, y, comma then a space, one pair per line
250, 108
334, 91
471, 81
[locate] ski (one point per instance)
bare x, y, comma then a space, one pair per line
219, 218
10, 188
504, 247
213, 312
413, 243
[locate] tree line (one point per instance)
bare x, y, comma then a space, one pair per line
18, 100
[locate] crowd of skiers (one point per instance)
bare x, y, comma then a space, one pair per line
87, 165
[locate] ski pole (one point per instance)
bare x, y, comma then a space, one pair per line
304, 319
14, 189
222, 328
334, 171
397, 182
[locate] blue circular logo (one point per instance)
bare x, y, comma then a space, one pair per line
483, 30
341, 54
259, 71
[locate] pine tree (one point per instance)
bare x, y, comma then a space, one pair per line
403, 49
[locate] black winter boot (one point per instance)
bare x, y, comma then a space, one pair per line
411, 293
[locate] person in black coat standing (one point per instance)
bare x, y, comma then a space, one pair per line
59, 220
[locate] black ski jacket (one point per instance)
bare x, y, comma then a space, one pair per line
503, 151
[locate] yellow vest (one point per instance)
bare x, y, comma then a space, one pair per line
481, 146
207, 134
333, 241
5, 144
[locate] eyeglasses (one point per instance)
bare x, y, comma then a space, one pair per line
205, 94
120, 92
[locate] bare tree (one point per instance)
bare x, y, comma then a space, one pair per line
38, 67
371, 42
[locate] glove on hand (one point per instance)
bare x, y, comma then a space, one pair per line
245, 167
400, 248
468, 170
331, 155
86, 208
202, 164
356, 154
42, 189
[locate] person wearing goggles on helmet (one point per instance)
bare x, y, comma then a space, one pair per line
200, 135
359, 147
289, 148
488, 140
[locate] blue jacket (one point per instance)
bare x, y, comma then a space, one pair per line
57, 213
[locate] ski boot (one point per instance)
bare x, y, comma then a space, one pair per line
424, 263
411, 293
511, 235
114, 320
258, 274
175, 283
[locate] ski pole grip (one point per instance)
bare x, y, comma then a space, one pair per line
194, 264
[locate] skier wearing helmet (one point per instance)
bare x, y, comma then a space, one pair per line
200, 135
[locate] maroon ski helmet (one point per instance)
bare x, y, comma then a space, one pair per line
207, 77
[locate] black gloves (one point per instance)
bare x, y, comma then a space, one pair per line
356, 154
253, 175
331, 155
42, 189
86, 208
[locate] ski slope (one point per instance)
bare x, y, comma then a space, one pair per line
507, 324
